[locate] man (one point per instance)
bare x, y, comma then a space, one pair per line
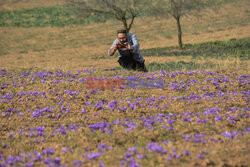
128, 51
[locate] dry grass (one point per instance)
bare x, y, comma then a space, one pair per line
46, 53
83, 47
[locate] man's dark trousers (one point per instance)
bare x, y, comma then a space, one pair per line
129, 63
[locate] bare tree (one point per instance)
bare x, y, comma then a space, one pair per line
122, 10
177, 9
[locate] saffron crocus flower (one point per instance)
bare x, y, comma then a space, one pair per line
247, 129
103, 126
48, 151
12, 135
170, 121
202, 121
38, 157
168, 128
1, 157
133, 150
103, 146
185, 119
156, 148
83, 111
57, 161
64, 149
228, 135
201, 156
77, 163
217, 118
169, 158
186, 137
174, 155
29, 164
165, 142
198, 138
87, 96
186, 152
123, 163
133, 163
140, 156
94, 156
101, 164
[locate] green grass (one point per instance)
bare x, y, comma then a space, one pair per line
178, 66
215, 49
174, 66
46, 16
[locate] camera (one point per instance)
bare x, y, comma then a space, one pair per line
121, 45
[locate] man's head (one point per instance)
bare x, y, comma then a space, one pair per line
122, 36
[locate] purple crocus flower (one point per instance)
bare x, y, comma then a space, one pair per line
1, 157
174, 155
38, 157
83, 111
186, 152
48, 151
103, 146
247, 129
170, 121
185, 119
123, 163
198, 138
103, 126
186, 137
165, 142
77, 163
217, 118
200, 156
202, 121
156, 148
94, 156
228, 135
101, 164
12, 135
47, 161
64, 149
133, 150
140, 156
57, 161
169, 158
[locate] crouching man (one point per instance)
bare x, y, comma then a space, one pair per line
128, 51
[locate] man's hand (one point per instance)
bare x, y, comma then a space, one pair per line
128, 46
112, 52
115, 48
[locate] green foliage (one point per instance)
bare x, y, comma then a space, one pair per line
216, 49
46, 16
178, 66
221, 2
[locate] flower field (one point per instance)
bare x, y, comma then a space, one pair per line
178, 118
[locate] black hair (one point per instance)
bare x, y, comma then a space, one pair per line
121, 31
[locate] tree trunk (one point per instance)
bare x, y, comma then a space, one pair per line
131, 23
179, 32
125, 25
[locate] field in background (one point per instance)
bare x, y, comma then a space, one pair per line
191, 109
74, 47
